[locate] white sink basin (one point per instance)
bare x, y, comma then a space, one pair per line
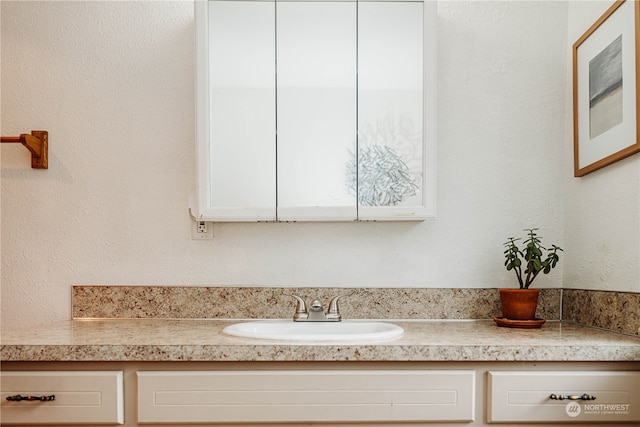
346, 330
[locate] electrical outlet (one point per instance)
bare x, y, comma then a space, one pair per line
201, 230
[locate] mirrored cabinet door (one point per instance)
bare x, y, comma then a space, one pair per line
241, 142
316, 109
390, 108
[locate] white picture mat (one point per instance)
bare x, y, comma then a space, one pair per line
623, 135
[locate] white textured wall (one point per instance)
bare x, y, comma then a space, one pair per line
602, 226
112, 82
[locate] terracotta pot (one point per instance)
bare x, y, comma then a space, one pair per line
519, 304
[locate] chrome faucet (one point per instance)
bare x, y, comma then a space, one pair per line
316, 312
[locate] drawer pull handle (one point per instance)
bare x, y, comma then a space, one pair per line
572, 397
18, 398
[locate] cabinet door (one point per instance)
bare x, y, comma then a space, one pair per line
316, 109
80, 398
305, 396
523, 397
236, 111
391, 111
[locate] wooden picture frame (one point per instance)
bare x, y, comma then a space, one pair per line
606, 89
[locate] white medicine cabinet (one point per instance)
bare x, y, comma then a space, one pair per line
315, 110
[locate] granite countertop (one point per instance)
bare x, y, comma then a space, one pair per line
203, 340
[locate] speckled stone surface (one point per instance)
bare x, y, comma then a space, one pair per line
156, 323
203, 340
138, 302
617, 311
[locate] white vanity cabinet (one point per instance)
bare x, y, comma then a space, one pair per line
322, 394
315, 110
89, 397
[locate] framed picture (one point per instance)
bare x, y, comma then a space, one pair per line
606, 89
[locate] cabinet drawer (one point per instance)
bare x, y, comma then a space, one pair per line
80, 397
526, 396
305, 396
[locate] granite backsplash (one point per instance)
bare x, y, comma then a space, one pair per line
616, 311
171, 302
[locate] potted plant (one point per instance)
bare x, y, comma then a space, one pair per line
528, 263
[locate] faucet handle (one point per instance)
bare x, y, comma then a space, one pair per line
301, 308
334, 310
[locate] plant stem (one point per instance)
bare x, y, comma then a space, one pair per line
518, 271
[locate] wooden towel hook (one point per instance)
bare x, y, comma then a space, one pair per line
37, 143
